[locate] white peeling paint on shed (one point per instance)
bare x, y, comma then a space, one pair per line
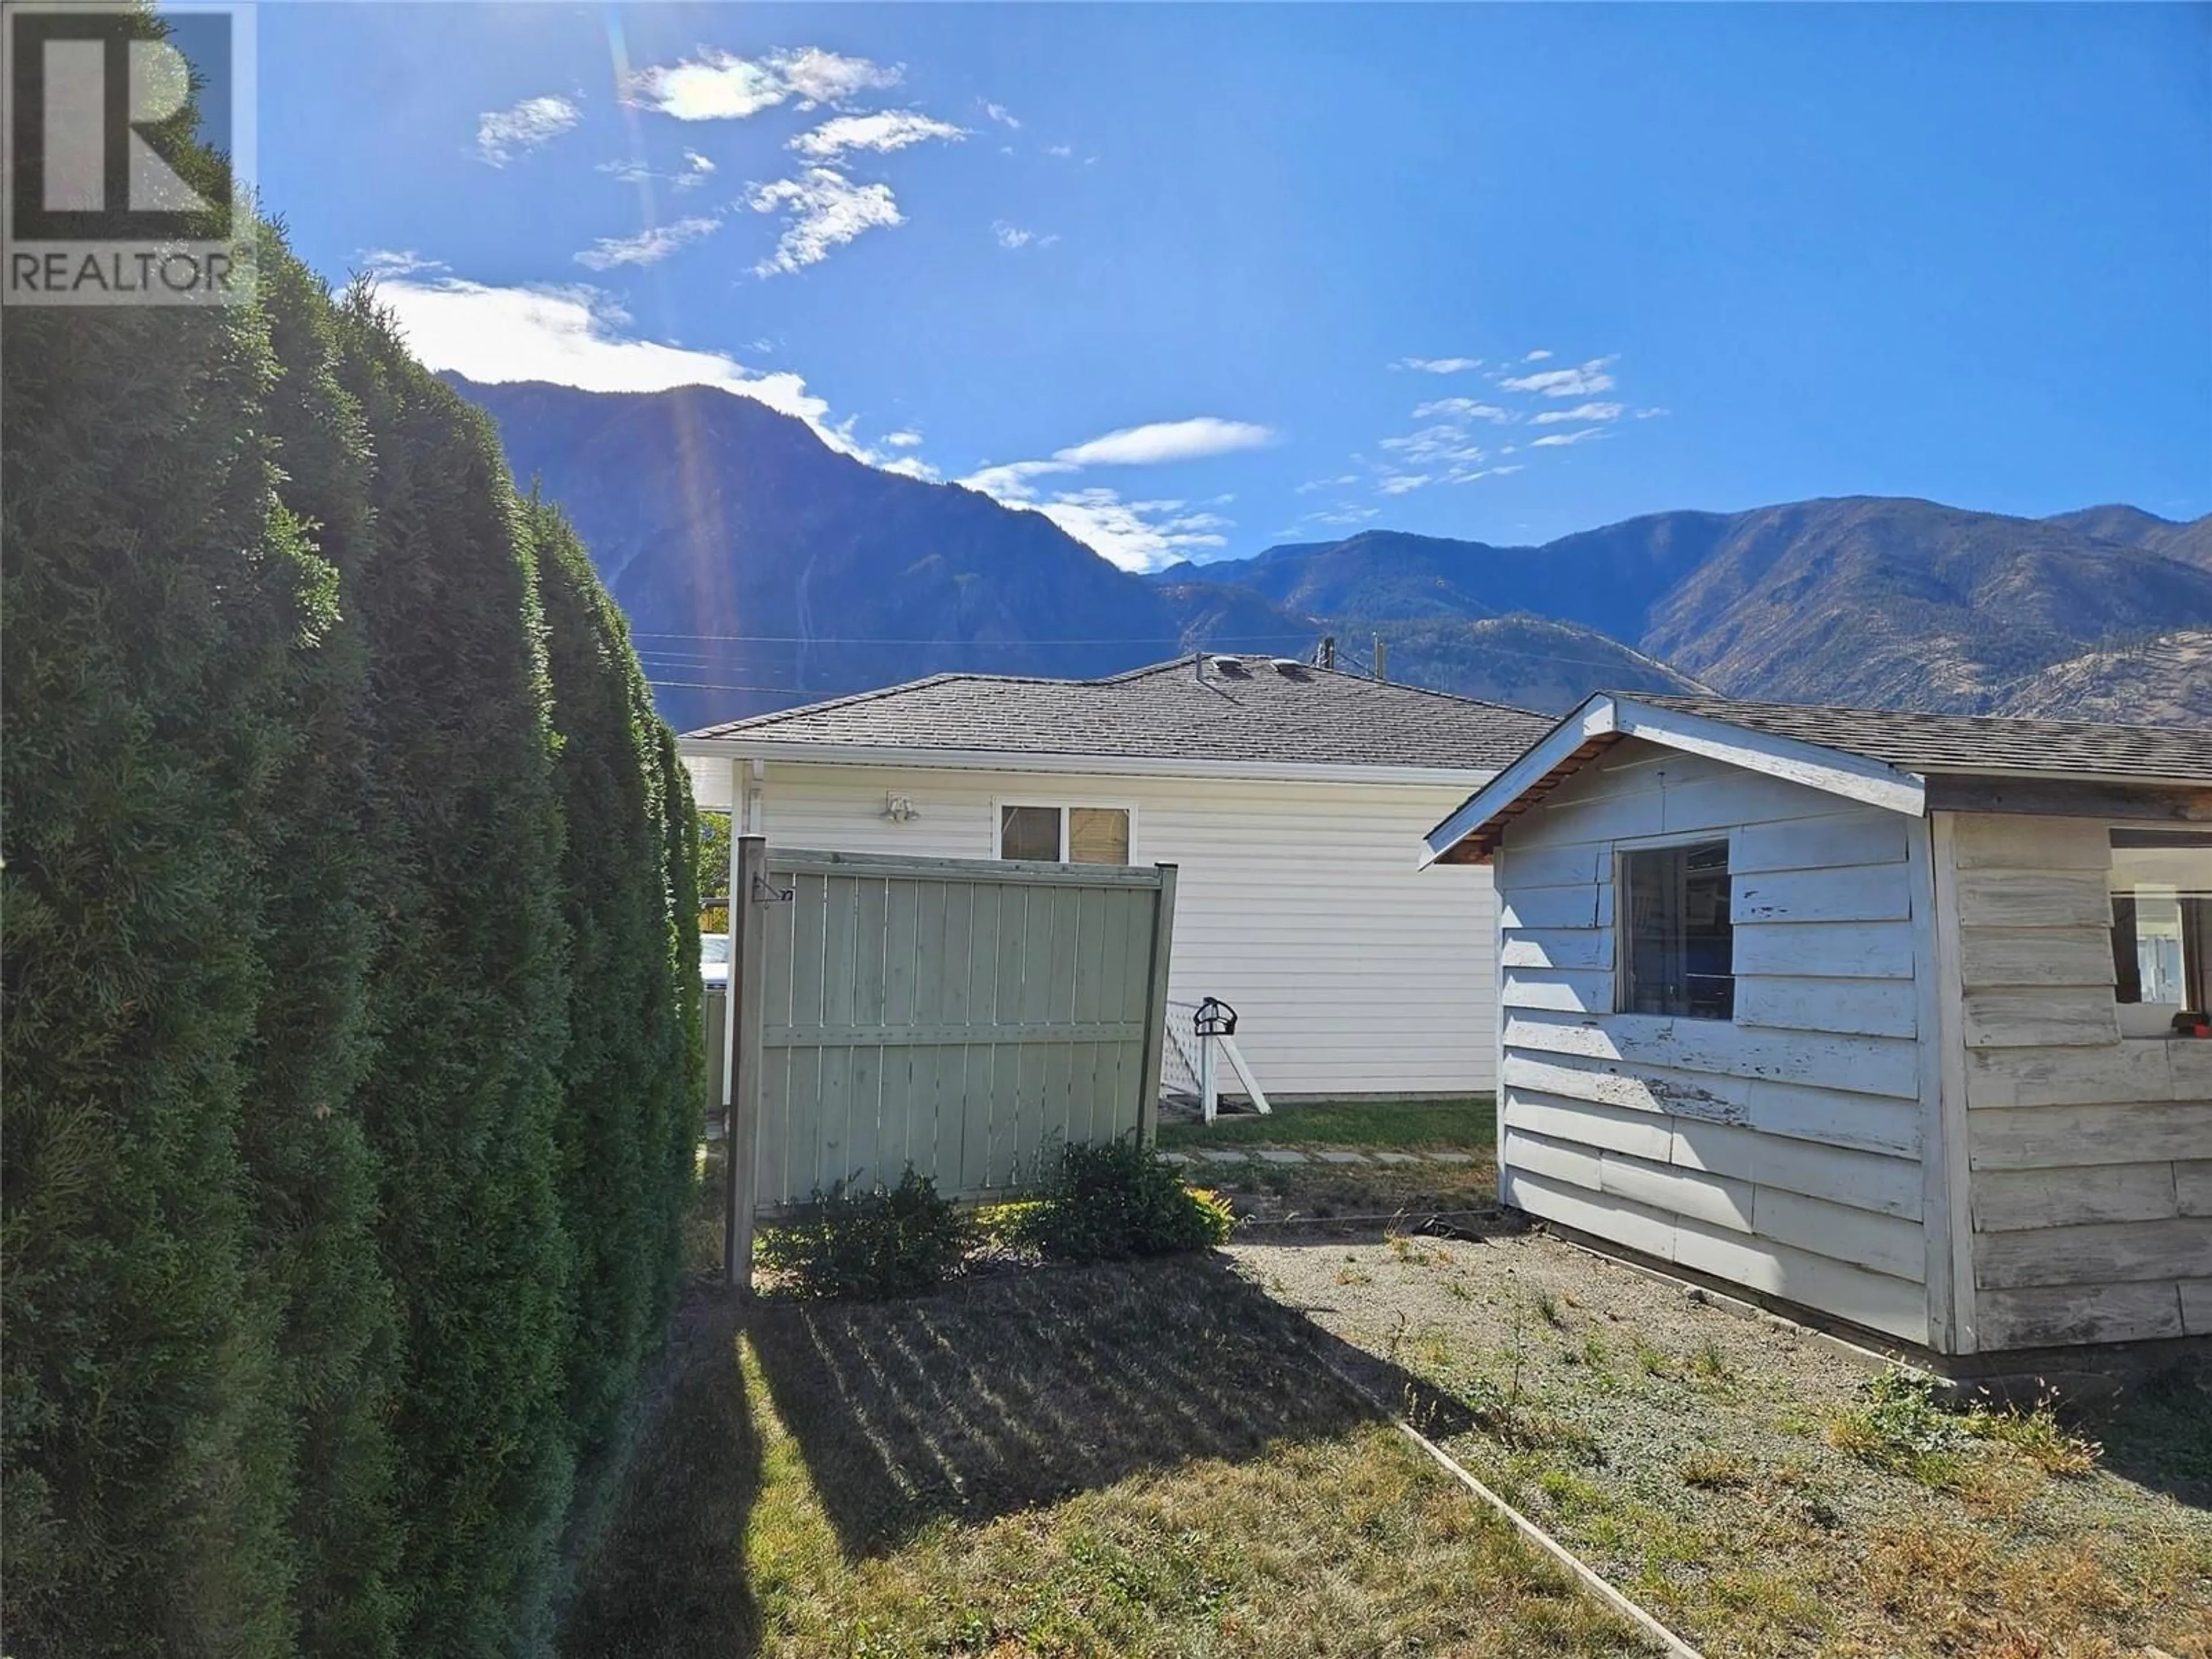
1352, 971
2090, 1154
1781, 1150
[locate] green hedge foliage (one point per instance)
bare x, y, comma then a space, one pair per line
351, 1038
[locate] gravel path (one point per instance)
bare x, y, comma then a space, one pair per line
1684, 1450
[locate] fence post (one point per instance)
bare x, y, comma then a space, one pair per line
1156, 1009
748, 999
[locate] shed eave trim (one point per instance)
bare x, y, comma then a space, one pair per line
1595, 718
1854, 777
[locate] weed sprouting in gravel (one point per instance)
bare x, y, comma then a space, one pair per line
1714, 1470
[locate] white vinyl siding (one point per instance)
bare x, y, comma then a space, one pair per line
1779, 1149
1351, 972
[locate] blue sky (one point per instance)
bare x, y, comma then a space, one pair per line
1198, 280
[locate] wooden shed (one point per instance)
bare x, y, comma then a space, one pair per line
1896, 1017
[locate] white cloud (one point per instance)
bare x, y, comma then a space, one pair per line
883, 132
1465, 408
1135, 535
1402, 483
1536, 356
1438, 364
911, 466
999, 113
1009, 480
1343, 513
503, 133
1061, 150
1590, 379
649, 246
383, 262
906, 439
1167, 440
824, 78
573, 336
694, 173
1013, 238
1561, 440
721, 86
1647, 414
1444, 442
1579, 412
826, 210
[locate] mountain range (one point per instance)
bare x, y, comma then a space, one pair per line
761, 567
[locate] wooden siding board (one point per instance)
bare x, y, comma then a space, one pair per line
1866, 949
1868, 893
2015, 1200
1865, 1008
2058, 1016
1873, 1065
1984, 843
1557, 947
2193, 1186
1842, 839
2065, 1136
1873, 1182
2196, 1298
1612, 1128
1880, 1243
2104, 1253
2013, 898
1557, 990
1990, 956
2132, 1070
1878, 1300
2057, 1315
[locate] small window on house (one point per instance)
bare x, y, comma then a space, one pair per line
2161, 926
1065, 835
1678, 943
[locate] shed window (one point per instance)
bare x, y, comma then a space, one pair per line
2162, 924
1679, 943
1065, 835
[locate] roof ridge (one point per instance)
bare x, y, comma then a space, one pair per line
1663, 697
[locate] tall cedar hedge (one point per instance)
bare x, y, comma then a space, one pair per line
351, 1044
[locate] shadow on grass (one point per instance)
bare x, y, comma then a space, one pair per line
1000, 1394
671, 1563
2159, 1433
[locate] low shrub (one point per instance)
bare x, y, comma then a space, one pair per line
1108, 1203
868, 1245
1904, 1425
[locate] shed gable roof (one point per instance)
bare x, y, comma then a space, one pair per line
1877, 757
1248, 709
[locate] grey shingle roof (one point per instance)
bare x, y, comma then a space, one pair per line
1254, 711
1947, 743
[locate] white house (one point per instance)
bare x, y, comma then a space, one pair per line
1292, 798
1898, 1018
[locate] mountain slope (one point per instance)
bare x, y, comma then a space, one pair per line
761, 568
1893, 603
2166, 680
2189, 542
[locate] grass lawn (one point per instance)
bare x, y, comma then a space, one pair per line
1319, 1190
1379, 1126
1154, 1458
